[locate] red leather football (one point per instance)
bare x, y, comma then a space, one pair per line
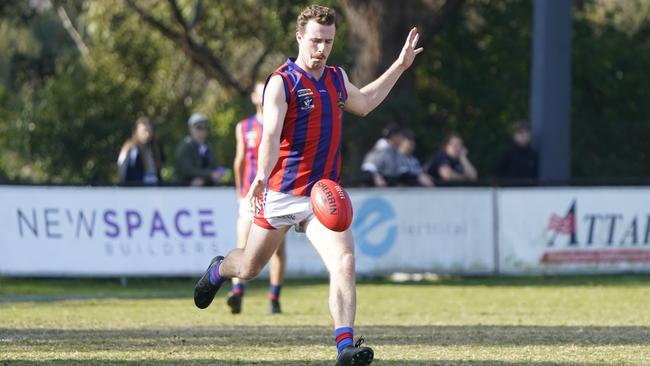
331, 205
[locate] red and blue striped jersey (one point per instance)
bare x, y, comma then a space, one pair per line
250, 130
310, 143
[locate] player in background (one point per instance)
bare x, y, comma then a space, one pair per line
249, 135
301, 144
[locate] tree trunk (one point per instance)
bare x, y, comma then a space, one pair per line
377, 31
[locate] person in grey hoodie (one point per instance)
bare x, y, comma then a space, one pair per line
381, 165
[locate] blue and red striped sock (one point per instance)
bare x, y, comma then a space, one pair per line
216, 278
238, 289
274, 292
344, 337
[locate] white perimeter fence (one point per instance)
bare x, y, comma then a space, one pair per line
74, 231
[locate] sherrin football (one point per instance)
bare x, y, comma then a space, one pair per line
331, 205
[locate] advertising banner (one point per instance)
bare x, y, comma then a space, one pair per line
569, 230
52, 231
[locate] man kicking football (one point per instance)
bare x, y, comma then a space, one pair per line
301, 144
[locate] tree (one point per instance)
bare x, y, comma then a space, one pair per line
63, 118
229, 42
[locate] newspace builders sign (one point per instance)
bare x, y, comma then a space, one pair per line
68, 231
560, 230
113, 231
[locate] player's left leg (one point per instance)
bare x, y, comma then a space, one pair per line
276, 277
336, 249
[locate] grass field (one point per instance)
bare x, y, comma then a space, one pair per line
502, 321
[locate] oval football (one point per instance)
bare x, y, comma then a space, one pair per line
331, 205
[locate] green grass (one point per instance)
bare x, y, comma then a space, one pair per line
583, 321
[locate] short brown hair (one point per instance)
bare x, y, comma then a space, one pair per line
321, 14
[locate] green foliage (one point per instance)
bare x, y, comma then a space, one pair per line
64, 117
611, 118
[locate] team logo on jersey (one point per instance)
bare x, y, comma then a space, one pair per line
306, 103
340, 102
305, 99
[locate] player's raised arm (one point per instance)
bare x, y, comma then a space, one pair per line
275, 109
363, 101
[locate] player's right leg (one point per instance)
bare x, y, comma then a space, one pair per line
243, 263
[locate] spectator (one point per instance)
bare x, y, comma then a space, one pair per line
518, 161
411, 172
451, 164
196, 164
381, 164
139, 161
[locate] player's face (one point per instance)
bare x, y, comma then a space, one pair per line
315, 44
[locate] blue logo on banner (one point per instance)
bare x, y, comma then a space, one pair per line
373, 229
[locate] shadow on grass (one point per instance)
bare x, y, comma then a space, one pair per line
272, 336
296, 363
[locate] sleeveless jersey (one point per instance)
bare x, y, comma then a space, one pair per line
310, 142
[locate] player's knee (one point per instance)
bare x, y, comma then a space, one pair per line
345, 261
249, 271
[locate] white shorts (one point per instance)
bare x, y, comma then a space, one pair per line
281, 209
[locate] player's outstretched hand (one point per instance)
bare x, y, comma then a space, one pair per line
255, 195
409, 51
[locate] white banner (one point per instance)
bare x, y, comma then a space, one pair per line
113, 231
568, 230
69, 231
413, 230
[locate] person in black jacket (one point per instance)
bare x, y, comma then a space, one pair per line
139, 161
518, 163
450, 163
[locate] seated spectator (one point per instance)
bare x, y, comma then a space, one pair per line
381, 164
139, 161
519, 161
196, 164
451, 164
411, 172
